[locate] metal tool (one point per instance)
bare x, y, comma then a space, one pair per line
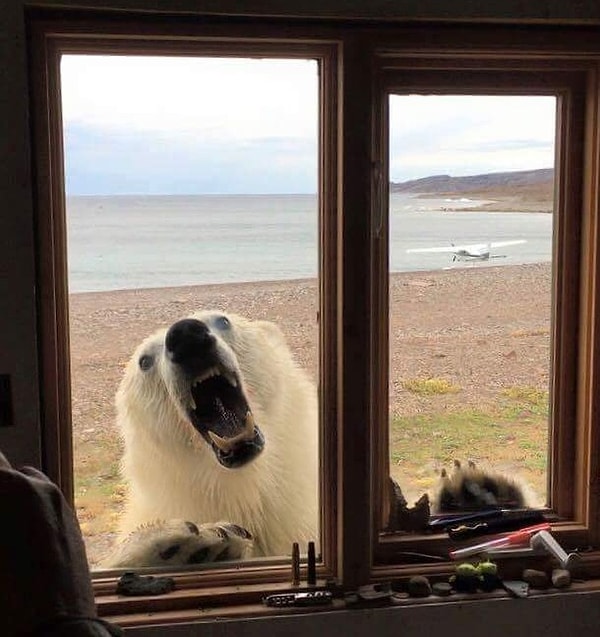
543, 539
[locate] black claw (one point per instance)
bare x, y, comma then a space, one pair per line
193, 528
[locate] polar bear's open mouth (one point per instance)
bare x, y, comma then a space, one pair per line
220, 412
214, 400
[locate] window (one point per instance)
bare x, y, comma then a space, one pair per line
180, 200
100, 248
470, 278
562, 347
360, 69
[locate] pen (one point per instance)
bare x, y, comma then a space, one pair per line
518, 537
509, 521
443, 522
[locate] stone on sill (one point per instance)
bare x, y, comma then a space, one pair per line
535, 578
419, 586
561, 578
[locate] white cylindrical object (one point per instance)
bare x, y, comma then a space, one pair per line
545, 540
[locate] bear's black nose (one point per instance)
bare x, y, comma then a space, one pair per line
188, 342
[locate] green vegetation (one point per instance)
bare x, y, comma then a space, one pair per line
511, 436
99, 491
430, 386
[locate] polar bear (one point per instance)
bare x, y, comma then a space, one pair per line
218, 423
221, 456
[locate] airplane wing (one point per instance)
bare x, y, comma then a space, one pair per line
500, 244
449, 249
472, 247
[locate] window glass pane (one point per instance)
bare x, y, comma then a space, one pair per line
192, 187
471, 216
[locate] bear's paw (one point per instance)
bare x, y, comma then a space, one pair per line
473, 489
179, 543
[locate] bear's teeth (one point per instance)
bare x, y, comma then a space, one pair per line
231, 378
249, 429
209, 373
227, 444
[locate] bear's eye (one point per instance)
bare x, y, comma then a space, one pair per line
222, 323
146, 361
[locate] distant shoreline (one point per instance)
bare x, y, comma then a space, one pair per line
491, 202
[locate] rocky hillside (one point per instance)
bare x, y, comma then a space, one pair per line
531, 190
445, 184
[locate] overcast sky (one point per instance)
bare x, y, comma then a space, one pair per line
199, 125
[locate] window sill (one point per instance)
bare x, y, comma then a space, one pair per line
194, 604
477, 602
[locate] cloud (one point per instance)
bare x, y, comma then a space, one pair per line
462, 135
185, 125
219, 97
110, 161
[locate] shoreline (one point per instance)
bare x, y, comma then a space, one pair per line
241, 284
283, 283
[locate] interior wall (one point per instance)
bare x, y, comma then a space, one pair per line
17, 284
576, 614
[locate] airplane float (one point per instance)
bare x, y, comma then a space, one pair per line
473, 251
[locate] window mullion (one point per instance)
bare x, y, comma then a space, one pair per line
355, 323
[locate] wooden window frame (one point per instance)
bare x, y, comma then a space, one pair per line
49, 41
448, 67
360, 64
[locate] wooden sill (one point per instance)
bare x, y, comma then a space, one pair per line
192, 603
223, 598
256, 610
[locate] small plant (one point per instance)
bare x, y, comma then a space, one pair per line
542, 331
524, 403
529, 395
509, 435
430, 386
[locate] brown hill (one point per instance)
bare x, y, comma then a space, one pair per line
531, 190
446, 184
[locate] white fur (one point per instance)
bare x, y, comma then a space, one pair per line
172, 472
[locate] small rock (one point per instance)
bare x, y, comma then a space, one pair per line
419, 586
535, 578
131, 583
443, 589
561, 578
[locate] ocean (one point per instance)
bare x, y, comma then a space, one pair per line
131, 241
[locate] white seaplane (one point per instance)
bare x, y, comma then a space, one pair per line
473, 251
